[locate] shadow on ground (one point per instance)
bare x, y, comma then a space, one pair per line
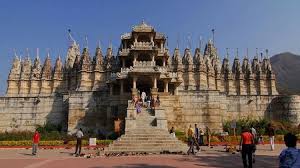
140, 166
230, 161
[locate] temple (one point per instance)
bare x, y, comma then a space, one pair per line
90, 91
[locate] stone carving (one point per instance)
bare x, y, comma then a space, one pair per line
98, 60
15, 69
36, 69
58, 69
26, 68
47, 69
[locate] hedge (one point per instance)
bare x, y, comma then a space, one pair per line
50, 143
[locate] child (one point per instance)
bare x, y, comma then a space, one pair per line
290, 157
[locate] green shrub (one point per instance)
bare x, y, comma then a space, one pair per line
51, 143
281, 128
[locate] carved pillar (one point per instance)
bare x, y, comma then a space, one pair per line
164, 61
252, 87
121, 87
273, 85
123, 62
155, 82
134, 82
166, 88
111, 89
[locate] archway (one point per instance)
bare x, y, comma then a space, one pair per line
144, 84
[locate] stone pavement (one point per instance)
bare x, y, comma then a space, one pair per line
207, 158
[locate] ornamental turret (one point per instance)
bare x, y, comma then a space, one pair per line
25, 77
36, 76
98, 60
58, 82
46, 88
13, 78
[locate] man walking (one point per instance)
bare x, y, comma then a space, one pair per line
196, 134
271, 133
201, 140
35, 140
246, 146
191, 140
79, 136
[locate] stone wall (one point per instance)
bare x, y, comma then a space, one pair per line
95, 111
212, 108
24, 113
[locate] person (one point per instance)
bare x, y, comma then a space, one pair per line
196, 133
157, 102
208, 136
246, 146
201, 132
290, 157
172, 132
254, 134
79, 135
138, 107
260, 139
271, 133
35, 139
118, 126
190, 133
143, 96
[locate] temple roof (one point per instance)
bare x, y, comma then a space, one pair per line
143, 27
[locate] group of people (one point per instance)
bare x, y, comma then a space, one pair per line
196, 138
144, 100
36, 139
288, 158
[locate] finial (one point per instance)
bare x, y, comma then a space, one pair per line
256, 52
237, 53
200, 42
177, 41
99, 44
15, 53
167, 43
227, 53
247, 52
27, 50
213, 35
71, 37
48, 52
86, 42
37, 53
267, 54
189, 43
261, 56
110, 44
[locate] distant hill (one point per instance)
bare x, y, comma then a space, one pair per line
286, 66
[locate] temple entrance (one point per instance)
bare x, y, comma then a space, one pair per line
144, 84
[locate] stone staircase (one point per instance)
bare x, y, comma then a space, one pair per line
146, 137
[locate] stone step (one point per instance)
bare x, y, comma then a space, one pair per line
147, 149
148, 142
147, 145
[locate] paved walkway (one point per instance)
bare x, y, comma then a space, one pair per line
62, 158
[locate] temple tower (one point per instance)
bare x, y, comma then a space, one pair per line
14, 77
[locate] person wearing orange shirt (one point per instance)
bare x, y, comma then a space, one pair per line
246, 146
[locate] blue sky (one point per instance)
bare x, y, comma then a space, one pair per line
272, 24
